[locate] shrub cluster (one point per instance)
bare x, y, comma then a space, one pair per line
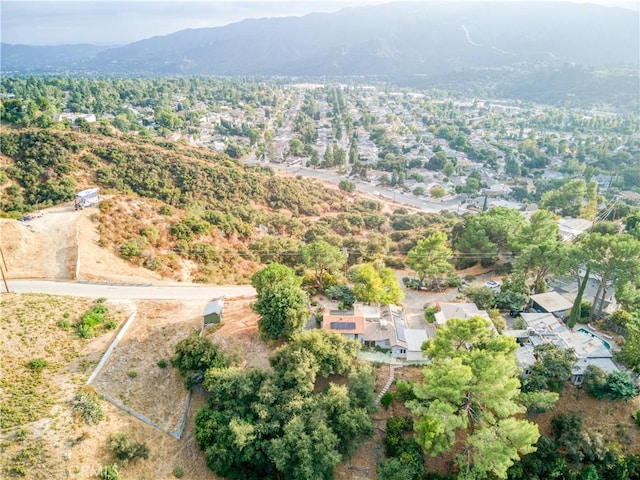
121, 446
97, 316
404, 455
86, 406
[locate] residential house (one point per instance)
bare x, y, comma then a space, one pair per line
570, 228
382, 327
551, 302
72, 117
545, 328
458, 310
349, 323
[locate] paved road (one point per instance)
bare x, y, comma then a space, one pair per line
133, 292
451, 204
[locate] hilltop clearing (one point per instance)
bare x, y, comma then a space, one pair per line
50, 245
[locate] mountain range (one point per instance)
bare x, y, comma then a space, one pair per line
413, 38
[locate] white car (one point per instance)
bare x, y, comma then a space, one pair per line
493, 284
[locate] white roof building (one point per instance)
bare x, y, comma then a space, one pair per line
552, 302
570, 228
385, 328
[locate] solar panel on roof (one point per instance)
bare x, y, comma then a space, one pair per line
343, 325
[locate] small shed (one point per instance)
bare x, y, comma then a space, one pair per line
212, 313
87, 198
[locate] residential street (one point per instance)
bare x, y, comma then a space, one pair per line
384, 192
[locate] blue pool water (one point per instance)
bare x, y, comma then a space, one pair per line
606, 344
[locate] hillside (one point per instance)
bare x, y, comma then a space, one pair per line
191, 214
392, 39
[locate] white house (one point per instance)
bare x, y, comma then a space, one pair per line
72, 117
570, 228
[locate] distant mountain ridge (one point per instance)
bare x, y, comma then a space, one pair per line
28, 58
396, 38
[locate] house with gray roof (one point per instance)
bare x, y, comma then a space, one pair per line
448, 311
385, 328
545, 328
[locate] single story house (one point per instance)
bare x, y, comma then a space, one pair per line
349, 323
570, 228
448, 311
545, 328
72, 117
382, 327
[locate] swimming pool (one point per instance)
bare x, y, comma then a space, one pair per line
605, 343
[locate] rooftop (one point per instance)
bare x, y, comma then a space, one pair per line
458, 310
347, 322
552, 301
213, 307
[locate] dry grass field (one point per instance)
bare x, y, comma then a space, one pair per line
41, 435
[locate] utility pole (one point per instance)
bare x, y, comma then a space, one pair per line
4, 279
3, 260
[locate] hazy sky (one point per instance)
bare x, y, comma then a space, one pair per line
52, 22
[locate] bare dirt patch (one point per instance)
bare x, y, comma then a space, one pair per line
50, 246
44, 247
132, 375
60, 446
102, 264
238, 335
611, 418
38, 405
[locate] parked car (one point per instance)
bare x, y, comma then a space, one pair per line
493, 284
517, 313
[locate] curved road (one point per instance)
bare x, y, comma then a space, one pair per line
130, 292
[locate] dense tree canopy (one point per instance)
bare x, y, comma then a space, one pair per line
616, 261
322, 257
431, 258
260, 424
481, 237
375, 283
551, 370
272, 275
283, 311
472, 386
194, 355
